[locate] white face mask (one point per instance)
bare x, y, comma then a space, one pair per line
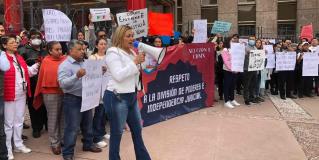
36, 42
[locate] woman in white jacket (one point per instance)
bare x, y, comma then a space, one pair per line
120, 100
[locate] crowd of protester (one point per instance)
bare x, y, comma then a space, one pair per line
47, 77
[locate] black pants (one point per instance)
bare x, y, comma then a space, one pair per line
229, 85
239, 82
274, 82
38, 117
305, 86
220, 83
3, 147
250, 79
285, 82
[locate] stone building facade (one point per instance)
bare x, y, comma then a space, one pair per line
264, 18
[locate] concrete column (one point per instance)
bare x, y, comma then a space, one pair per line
191, 11
308, 12
228, 11
266, 17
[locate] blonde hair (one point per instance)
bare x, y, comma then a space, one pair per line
118, 36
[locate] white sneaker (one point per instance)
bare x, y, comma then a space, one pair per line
10, 155
22, 149
101, 144
229, 105
107, 136
235, 103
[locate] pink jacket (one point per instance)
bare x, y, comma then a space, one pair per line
227, 59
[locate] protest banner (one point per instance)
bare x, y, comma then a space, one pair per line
57, 26
161, 24
91, 84
200, 27
256, 60
310, 64
137, 20
100, 14
221, 27
271, 57
307, 32
182, 83
285, 61
237, 52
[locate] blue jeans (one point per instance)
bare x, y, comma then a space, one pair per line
123, 108
99, 122
72, 122
3, 147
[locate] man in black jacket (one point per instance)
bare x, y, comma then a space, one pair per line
32, 53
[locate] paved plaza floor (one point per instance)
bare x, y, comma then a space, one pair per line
273, 130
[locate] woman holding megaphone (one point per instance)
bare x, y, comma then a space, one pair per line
120, 100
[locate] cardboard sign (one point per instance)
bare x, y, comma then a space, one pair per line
310, 64
161, 24
307, 32
57, 25
137, 20
271, 57
200, 27
100, 14
237, 52
91, 84
221, 27
256, 60
286, 61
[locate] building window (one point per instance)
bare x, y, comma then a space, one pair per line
246, 2
246, 30
208, 2
287, 15
247, 13
179, 15
287, 11
209, 13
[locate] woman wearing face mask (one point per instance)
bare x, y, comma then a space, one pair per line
229, 76
16, 87
99, 119
48, 92
120, 100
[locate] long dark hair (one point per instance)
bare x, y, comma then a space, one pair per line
96, 43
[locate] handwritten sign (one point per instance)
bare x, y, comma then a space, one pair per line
256, 60
221, 27
285, 61
57, 25
200, 35
237, 52
91, 84
100, 14
310, 64
137, 20
271, 57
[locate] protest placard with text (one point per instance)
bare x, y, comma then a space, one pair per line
271, 57
237, 52
286, 61
57, 25
137, 19
200, 27
256, 60
91, 84
100, 14
310, 64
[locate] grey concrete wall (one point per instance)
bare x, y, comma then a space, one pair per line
228, 11
191, 11
266, 16
308, 12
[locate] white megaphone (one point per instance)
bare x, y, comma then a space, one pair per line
154, 52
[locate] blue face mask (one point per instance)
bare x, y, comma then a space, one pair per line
251, 42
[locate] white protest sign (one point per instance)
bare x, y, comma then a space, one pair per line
137, 19
310, 64
271, 57
244, 41
200, 27
237, 52
285, 61
57, 25
100, 14
256, 60
91, 84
